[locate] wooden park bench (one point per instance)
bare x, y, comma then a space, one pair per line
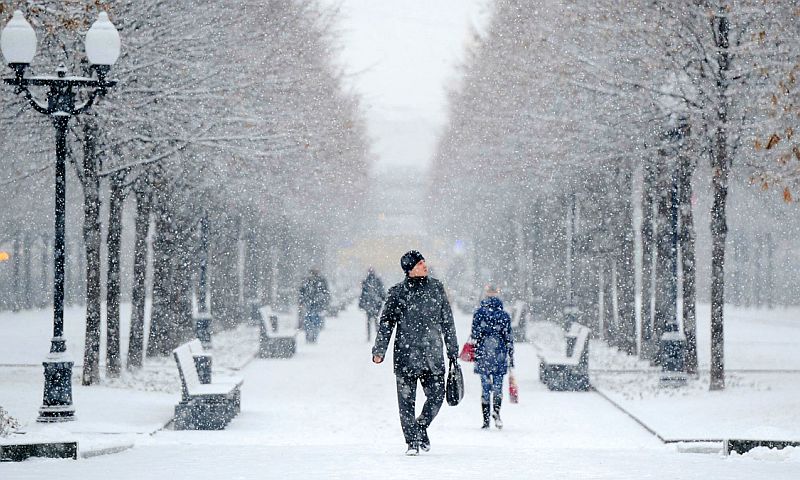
278, 337
568, 371
203, 406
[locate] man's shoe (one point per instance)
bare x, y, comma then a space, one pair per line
413, 450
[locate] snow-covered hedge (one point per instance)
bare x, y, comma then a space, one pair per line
7, 423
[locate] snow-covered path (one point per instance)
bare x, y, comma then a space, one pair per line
330, 413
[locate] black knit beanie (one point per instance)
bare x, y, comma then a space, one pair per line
410, 259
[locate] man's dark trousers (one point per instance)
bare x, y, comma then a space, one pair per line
433, 386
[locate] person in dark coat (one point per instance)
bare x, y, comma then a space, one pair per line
419, 310
494, 351
371, 301
313, 299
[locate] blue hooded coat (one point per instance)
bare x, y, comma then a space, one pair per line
494, 342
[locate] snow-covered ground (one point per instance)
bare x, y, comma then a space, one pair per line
330, 413
760, 401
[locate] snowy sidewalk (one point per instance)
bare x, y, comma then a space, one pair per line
760, 400
332, 394
330, 413
107, 419
109, 416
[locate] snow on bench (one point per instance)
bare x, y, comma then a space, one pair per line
569, 368
278, 339
203, 406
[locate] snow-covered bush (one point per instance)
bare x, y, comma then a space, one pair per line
7, 423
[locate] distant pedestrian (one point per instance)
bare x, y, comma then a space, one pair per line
371, 301
419, 309
494, 352
313, 300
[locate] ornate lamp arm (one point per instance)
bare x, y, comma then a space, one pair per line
100, 89
89, 101
21, 85
36, 104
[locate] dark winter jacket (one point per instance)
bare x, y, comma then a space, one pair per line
372, 295
494, 342
418, 307
314, 294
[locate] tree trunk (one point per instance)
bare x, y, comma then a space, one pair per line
719, 229
27, 298
606, 303
625, 266
113, 240
92, 241
79, 295
181, 301
648, 350
171, 320
770, 273
251, 263
520, 276
16, 263
687, 236
47, 280
161, 339
224, 274
666, 254
139, 291
720, 168
755, 271
203, 303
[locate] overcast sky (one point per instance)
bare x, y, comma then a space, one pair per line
401, 56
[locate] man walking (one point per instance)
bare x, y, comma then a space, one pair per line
418, 307
313, 299
371, 300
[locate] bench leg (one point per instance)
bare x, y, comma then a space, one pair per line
184, 416
197, 415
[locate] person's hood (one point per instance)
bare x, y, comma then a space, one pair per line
492, 302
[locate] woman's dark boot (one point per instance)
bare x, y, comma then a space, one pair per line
496, 415
485, 407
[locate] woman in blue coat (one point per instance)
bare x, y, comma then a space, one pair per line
494, 351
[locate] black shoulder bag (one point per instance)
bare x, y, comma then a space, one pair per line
454, 389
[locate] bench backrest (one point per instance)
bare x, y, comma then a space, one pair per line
196, 347
274, 323
190, 380
577, 342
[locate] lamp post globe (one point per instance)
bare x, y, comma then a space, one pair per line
102, 42
18, 43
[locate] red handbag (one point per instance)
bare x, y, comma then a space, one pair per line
513, 390
467, 352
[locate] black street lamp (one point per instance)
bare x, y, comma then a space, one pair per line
18, 42
203, 319
673, 341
